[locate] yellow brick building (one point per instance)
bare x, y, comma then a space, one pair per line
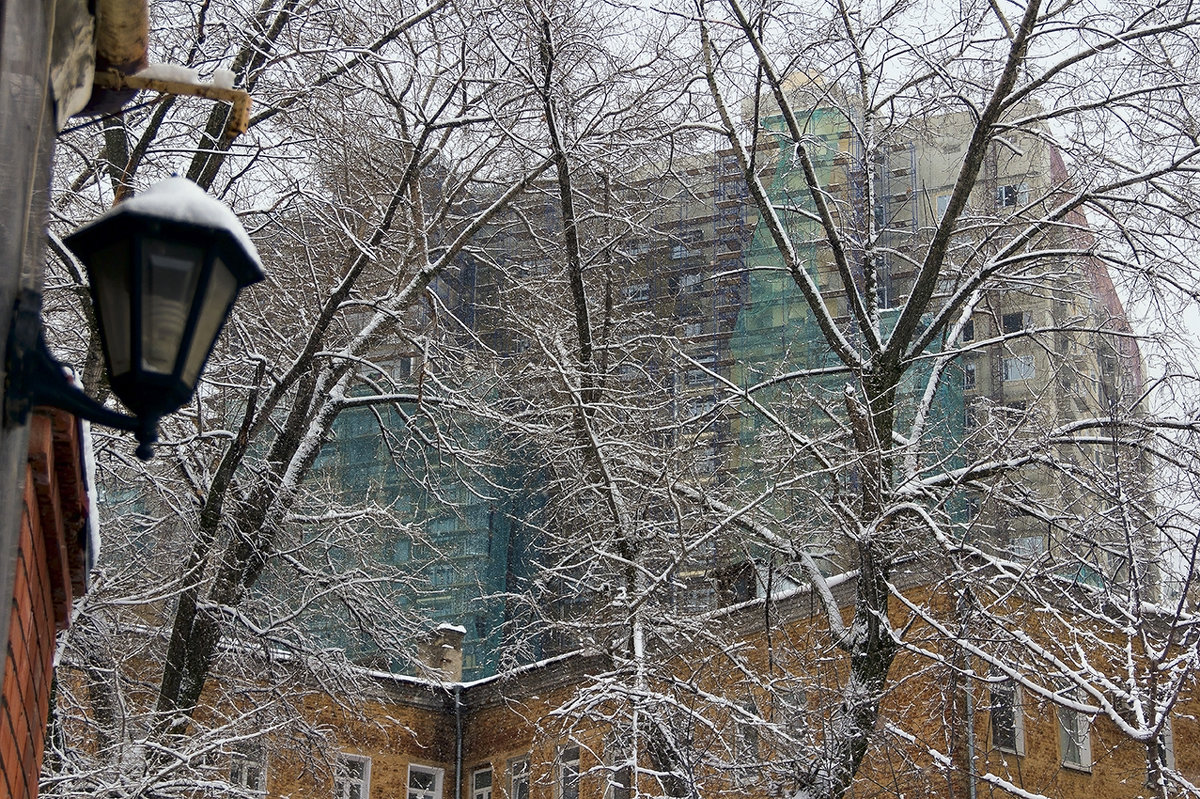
548, 731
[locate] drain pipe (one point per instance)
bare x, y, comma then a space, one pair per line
970, 741
458, 741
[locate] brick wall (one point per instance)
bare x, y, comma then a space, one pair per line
518, 716
397, 722
50, 566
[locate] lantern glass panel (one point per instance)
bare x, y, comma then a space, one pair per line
169, 274
109, 272
222, 289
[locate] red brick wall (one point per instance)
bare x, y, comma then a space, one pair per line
55, 508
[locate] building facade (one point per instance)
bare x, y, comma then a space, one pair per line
542, 731
1043, 343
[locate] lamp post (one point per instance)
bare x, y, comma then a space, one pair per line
165, 268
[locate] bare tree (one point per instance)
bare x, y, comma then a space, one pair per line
828, 299
375, 160
951, 194
964, 227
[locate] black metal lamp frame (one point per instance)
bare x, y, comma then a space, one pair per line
35, 377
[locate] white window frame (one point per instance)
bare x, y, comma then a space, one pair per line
970, 372
518, 778
567, 776
790, 712
343, 784
1019, 367
619, 772
438, 775
486, 791
1074, 739
248, 769
1016, 698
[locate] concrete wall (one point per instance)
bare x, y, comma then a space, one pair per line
26, 138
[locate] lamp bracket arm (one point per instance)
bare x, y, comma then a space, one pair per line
34, 377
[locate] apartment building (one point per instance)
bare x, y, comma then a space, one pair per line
1044, 342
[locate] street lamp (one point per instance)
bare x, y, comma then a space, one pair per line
165, 268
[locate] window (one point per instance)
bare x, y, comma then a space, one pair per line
620, 783
1011, 195
402, 367
1074, 739
638, 292
791, 707
568, 772
518, 778
619, 771
968, 330
972, 508
1028, 548
247, 768
943, 202
968, 376
441, 575
1166, 746
352, 777
1008, 726
701, 407
746, 745
481, 783
1016, 322
883, 285
1018, 367
690, 282
424, 782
